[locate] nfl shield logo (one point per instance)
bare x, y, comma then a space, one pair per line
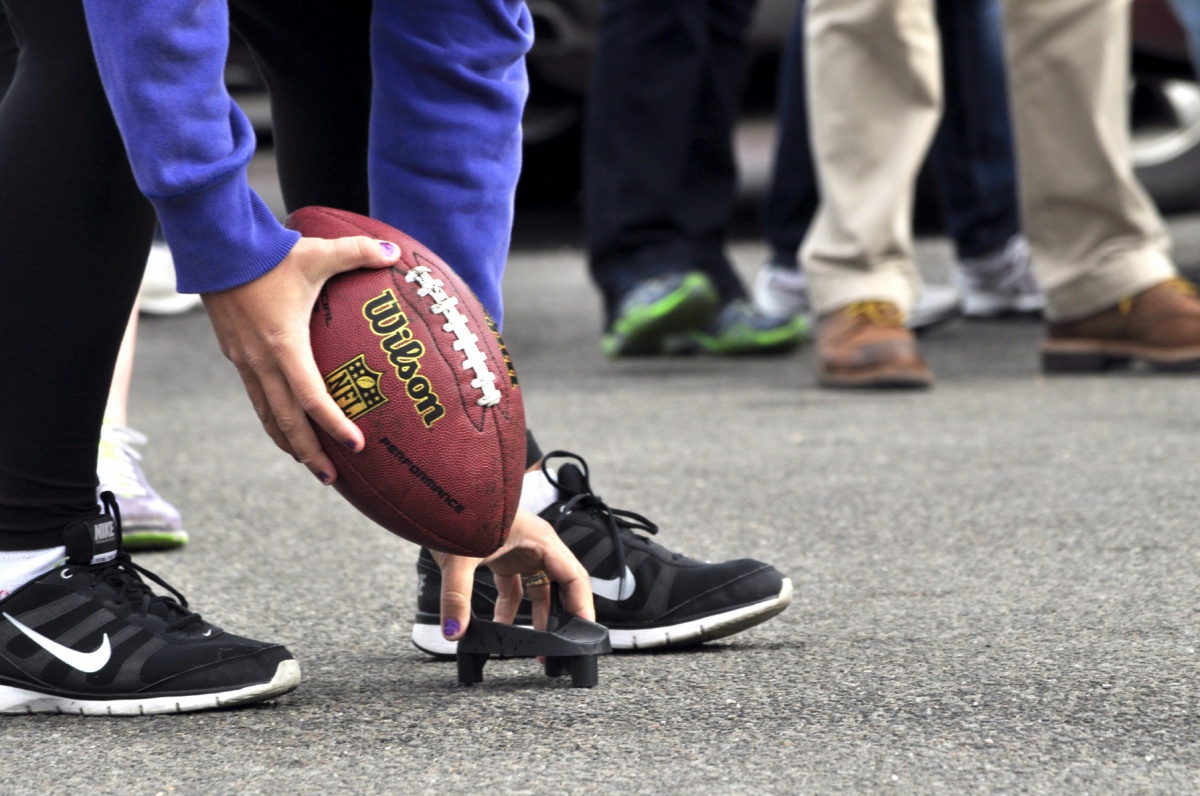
355, 387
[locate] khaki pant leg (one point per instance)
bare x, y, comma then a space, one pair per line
874, 87
1094, 233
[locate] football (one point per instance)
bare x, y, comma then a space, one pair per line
411, 356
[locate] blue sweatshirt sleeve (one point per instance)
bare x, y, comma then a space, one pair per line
162, 64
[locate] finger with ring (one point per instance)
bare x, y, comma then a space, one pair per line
536, 579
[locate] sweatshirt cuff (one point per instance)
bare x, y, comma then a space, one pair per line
222, 236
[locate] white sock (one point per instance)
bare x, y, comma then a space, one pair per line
537, 492
18, 567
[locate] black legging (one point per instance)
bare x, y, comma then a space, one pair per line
75, 231
315, 58
74, 236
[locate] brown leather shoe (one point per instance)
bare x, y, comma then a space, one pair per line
1160, 326
867, 345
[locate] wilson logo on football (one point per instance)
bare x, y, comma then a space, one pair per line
404, 352
355, 388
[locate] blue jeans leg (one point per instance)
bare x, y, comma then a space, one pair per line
972, 155
792, 197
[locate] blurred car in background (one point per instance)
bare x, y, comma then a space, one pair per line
1164, 95
1164, 92
1165, 110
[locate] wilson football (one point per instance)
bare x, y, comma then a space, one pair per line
410, 355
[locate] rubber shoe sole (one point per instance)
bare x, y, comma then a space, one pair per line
689, 634
429, 639
881, 378
782, 340
142, 541
986, 307
1087, 356
21, 701
642, 330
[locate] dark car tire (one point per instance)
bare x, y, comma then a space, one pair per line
1166, 140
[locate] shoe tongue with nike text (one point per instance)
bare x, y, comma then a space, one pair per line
96, 540
570, 482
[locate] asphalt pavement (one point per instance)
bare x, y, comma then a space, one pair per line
997, 586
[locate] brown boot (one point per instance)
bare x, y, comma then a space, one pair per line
1160, 325
867, 345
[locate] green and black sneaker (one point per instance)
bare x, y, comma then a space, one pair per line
657, 309
741, 329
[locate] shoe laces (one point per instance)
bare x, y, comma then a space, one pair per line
125, 577
619, 523
1181, 285
117, 466
874, 311
743, 316
1175, 283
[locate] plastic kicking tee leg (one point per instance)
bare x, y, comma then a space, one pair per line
569, 645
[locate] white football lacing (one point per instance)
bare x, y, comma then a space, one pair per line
456, 322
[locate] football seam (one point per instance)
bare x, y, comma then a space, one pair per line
468, 406
459, 324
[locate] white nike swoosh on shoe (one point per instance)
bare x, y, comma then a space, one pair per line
615, 589
86, 662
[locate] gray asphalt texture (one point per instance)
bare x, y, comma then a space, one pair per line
996, 582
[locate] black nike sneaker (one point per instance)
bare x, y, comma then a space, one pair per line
647, 596
91, 638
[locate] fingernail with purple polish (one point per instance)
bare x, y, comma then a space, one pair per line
324, 478
450, 628
352, 445
389, 248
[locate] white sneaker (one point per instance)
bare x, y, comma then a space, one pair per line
158, 294
150, 522
781, 293
936, 304
1000, 284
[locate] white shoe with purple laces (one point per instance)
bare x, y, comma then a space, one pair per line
150, 522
